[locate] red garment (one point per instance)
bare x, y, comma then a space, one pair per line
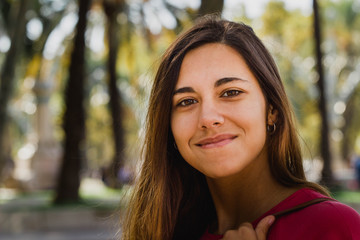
329, 220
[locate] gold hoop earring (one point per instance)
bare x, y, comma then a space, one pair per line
271, 128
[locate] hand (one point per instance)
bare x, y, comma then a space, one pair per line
247, 232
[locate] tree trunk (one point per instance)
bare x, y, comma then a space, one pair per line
112, 8
327, 176
74, 116
351, 111
7, 77
211, 6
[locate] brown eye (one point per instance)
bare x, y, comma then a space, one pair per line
231, 93
187, 102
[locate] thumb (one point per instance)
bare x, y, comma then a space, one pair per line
263, 227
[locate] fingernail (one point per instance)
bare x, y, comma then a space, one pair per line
271, 220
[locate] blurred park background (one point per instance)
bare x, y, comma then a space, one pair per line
74, 83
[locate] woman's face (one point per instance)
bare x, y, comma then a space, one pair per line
219, 112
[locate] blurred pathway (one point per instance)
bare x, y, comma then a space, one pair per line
62, 235
34, 218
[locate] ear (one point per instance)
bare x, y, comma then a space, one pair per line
272, 115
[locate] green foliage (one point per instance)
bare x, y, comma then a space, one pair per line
274, 18
289, 36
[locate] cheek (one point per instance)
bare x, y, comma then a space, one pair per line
249, 114
183, 127
178, 128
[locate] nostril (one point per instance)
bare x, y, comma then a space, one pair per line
214, 124
210, 118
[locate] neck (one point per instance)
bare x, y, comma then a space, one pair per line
246, 196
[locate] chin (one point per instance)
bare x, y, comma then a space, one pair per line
220, 173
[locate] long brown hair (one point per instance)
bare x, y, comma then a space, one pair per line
171, 199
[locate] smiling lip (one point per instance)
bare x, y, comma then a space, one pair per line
217, 141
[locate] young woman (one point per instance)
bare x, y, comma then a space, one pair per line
221, 155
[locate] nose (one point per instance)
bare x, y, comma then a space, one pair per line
210, 117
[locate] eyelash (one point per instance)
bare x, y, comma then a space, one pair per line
233, 92
189, 101
185, 102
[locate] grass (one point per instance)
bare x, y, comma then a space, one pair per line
347, 196
93, 194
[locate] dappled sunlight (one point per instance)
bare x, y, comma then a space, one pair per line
5, 43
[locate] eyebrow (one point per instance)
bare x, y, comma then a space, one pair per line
218, 83
222, 81
184, 90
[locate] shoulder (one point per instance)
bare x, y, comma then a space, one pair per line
340, 209
333, 211
329, 220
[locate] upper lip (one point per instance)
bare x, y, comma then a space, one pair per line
215, 139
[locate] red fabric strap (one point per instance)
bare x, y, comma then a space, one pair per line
301, 206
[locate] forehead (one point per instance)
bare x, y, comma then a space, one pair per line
211, 51
213, 61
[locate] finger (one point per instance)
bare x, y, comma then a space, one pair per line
230, 234
263, 227
244, 232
